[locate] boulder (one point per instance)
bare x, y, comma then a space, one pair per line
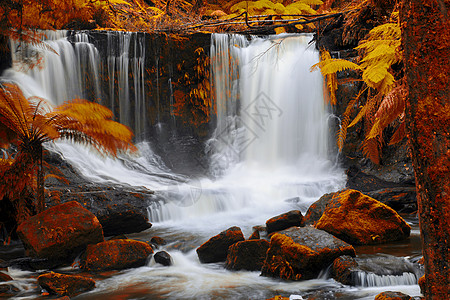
115, 255
302, 252
122, 219
285, 221
5, 277
163, 258
216, 248
360, 220
247, 255
60, 232
392, 296
315, 211
65, 285
376, 270
401, 199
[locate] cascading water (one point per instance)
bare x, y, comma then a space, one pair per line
268, 154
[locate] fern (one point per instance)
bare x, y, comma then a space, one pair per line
399, 134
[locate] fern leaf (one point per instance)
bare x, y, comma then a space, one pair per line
371, 149
337, 65
399, 134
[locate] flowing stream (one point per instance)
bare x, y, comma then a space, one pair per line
270, 152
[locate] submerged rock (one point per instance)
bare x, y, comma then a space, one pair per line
115, 255
380, 270
163, 258
216, 248
285, 221
301, 253
65, 285
392, 296
158, 241
247, 255
359, 219
60, 232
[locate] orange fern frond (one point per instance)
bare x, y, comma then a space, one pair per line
399, 134
371, 149
390, 109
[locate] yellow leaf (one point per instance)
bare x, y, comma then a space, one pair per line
279, 30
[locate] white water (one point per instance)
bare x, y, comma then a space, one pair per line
270, 145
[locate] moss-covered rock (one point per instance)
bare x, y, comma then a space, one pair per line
216, 248
65, 285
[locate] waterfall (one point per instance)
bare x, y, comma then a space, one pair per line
270, 142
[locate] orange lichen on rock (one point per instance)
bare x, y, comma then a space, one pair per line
392, 296
60, 232
115, 255
216, 248
359, 219
65, 285
247, 255
301, 252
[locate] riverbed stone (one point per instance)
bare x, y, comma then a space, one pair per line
60, 232
300, 253
65, 285
216, 248
285, 221
247, 255
163, 258
392, 296
360, 220
359, 271
115, 255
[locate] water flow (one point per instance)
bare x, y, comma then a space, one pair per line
271, 140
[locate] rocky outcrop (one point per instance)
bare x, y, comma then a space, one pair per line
285, 221
375, 270
359, 219
60, 232
247, 255
302, 252
115, 255
392, 296
216, 248
65, 285
163, 258
123, 219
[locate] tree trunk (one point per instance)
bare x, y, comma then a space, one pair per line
426, 45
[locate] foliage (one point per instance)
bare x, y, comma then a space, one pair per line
379, 52
28, 123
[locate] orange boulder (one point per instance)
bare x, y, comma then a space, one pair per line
115, 255
60, 232
360, 220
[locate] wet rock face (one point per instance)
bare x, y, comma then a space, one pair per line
115, 255
375, 270
247, 255
123, 220
285, 221
216, 248
60, 232
360, 220
65, 285
392, 296
163, 258
301, 253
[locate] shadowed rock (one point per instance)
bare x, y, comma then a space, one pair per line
163, 258
247, 255
285, 221
216, 248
